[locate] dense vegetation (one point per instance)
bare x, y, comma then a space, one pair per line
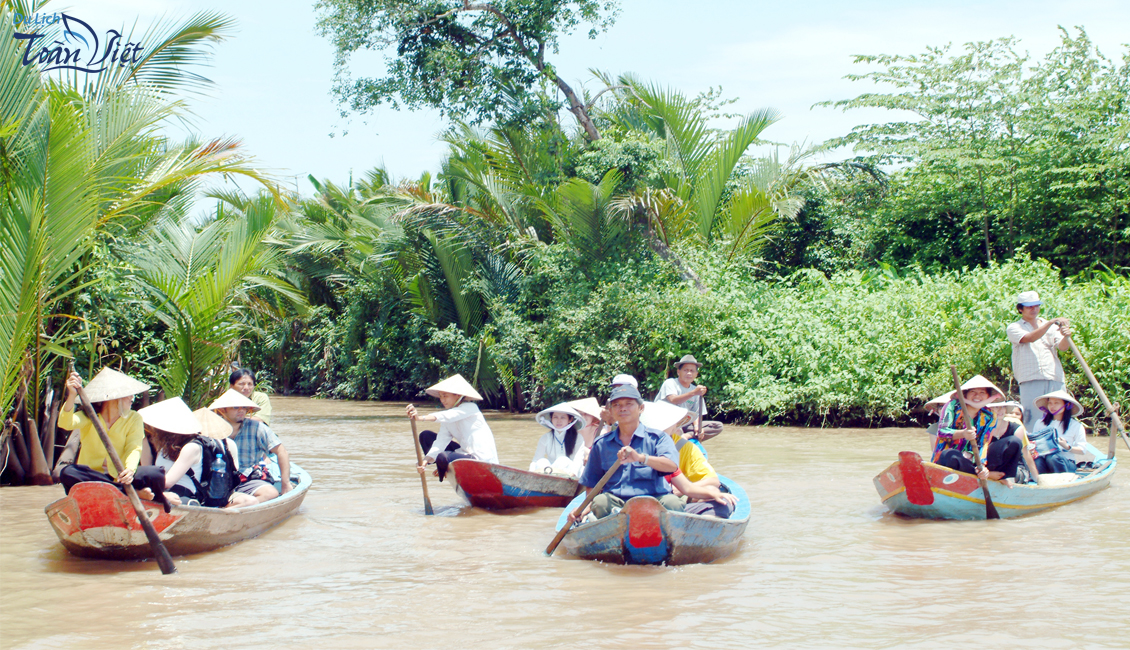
543, 258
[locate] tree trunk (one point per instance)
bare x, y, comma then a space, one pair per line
10, 460
577, 108
52, 435
17, 439
40, 472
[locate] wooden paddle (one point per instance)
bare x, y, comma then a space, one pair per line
990, 509
593, 493
1116, 426
420, 461
164, 560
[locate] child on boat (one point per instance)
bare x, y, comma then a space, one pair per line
176, 433
1058, 433
561, 449
463, 431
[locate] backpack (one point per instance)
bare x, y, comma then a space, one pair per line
211, 447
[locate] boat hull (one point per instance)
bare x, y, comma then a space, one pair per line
97, 521
497, 487
644, 532
922, 490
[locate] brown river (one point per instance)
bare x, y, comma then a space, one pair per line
360, 566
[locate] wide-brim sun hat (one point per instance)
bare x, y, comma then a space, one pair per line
543, 418
172, 416
663, 415
455, 385
110, 384
233, 399
588, 406
978, 381
688, 358
1076, 407
211, 424
1028, 298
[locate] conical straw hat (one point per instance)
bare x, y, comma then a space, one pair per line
211, 424
110, 384
939, 401
1076, 407
980, 382
663, 415
457, 385
232, 399
588, 406
543, 418
171, 415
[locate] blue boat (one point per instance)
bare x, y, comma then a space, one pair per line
644, 532
919, 489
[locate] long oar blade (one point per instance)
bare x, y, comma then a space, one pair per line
420, 461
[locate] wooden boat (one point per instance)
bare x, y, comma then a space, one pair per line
644, 532
497, 487
915, 488
97, 521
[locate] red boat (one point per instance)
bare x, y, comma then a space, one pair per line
497, 487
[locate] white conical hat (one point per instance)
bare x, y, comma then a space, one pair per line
110, 384
543, 418
232, 399
212, 425
980, 382
939, 401
588, 406
663, 415
457, 385
1077, 408
171, 415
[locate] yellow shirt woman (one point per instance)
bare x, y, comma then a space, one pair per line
127, 436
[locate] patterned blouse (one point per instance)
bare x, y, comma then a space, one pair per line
952, 420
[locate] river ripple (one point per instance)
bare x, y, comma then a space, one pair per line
823, 564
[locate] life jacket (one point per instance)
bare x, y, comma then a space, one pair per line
211, 448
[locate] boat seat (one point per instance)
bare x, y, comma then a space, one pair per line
1061, 478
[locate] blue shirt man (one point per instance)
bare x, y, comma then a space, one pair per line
647, 456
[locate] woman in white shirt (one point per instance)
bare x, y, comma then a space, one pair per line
463, 431
561, 449
1059, 432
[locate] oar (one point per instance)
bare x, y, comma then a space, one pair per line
593, 493
420, 461
990, 509
1115, 421
164, 560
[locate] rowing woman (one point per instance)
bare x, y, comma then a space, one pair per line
463, 431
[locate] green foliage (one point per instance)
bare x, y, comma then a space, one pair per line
1005, 154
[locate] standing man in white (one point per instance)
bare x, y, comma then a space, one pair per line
1035, 353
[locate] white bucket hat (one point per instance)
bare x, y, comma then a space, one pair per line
620, 380
1028, 298
212, 425
588, 406
232, 399
456, 385
110, 384
543, 418
1076, 407
663, 415
171, 415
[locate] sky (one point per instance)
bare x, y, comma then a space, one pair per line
273, 76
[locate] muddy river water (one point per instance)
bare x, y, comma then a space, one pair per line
823, 563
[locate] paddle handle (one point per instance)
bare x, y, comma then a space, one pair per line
1117, 427
420, 461
164, 560
990, 509
593, 493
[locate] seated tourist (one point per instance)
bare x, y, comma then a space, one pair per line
959, 429
559, 451
255, 442
590, 410
242, 381
934, 409
707, 500
1058, 433
187, 456
111, 394
682, 391
670, 419
463, 431
647, 456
